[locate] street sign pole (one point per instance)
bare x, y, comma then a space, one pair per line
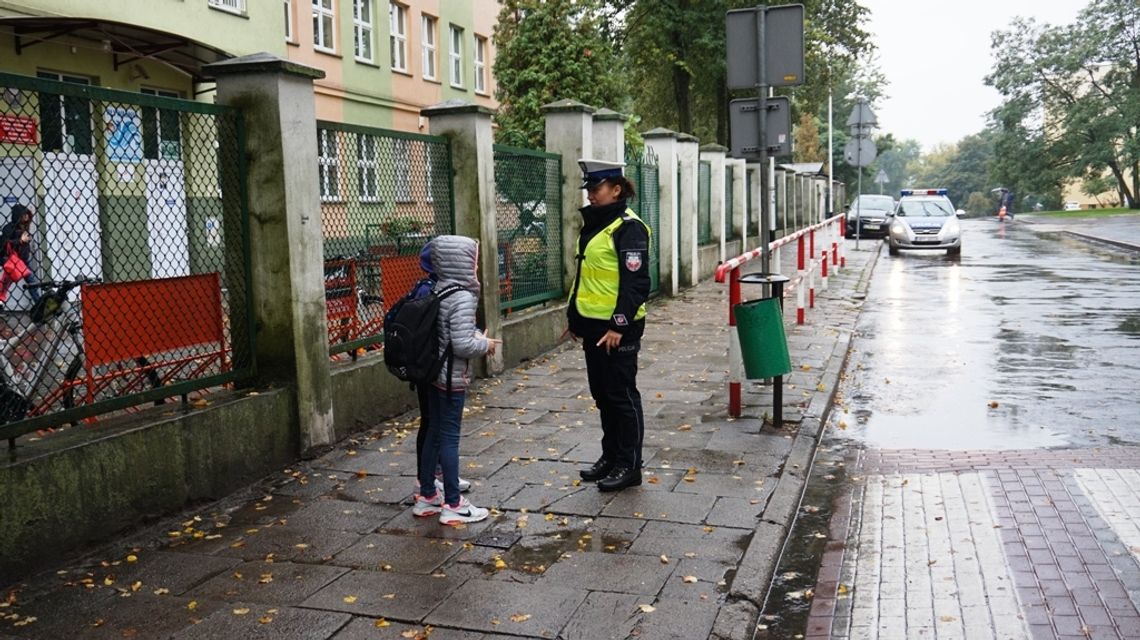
762, 138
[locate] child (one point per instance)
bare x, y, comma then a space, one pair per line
424, 287
455, 259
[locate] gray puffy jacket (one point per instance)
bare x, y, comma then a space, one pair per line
454, 259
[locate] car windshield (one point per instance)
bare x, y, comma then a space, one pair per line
925, 207
873, 203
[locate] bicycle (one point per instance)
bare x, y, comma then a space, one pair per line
33, 358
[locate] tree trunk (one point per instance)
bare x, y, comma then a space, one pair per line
722, 111
1132, 201
1129, 194
681, 79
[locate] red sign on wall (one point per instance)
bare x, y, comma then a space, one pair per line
18, 129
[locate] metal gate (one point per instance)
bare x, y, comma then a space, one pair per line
704, 202
642, 171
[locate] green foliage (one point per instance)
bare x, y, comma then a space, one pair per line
1084, 78
806, 134
962, 168
980, 204
551, 50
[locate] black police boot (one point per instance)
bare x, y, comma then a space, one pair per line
600, 470
620, 478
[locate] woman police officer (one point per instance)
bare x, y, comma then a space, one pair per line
607, 311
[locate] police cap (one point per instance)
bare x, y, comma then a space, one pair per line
595, 171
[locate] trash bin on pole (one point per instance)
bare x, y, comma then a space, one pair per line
763, 344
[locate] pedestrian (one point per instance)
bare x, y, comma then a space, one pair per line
607, 312
454, 259
16, 238
422, 288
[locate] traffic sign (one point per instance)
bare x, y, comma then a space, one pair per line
860, 152
783, 46
882, 178
744, 124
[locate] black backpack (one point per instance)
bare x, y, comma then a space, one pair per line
411, 336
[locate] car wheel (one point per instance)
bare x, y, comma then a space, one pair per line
892, 249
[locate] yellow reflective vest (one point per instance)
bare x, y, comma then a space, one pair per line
599, 273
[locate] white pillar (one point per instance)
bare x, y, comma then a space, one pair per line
739, 190
569, 133
687, 152
609, 135
663, 142
714, 155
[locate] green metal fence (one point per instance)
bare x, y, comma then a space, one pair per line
642, 171
384, 195
528, 217
729, 201
704, 202
126, 262
751, 215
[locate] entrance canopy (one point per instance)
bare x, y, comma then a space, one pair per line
127, 43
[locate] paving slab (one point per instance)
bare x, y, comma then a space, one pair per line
282, 583
400, 553
260, 623
395, 596
503, 607
609, 572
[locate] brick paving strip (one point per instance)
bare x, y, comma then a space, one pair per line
329, 548
1012, 544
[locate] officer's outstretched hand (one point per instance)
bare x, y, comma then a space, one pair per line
610, 341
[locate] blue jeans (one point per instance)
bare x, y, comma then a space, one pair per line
445, 412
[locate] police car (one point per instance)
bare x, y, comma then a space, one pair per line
925, 219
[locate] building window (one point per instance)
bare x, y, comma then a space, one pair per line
455, 51
288, 20
324, 19
161, 129
233, 6
427, 34
398, 28
366, 168
362, 29
403, 158
480, 64
65, 121
328, 165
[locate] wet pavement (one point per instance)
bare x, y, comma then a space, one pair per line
1122, 228
980, 477
329, 548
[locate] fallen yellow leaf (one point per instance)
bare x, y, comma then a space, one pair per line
381, 623
520, 617
241, 612
193, 604
647, 608
132, 558
265, 619
350, 599
689, 579
664, 559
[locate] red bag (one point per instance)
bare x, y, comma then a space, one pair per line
14, 266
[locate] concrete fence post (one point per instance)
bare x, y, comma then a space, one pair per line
468, 127
663, 142
286, 240
569, 133
714, 155
739, 206
753, 229
609, 135
687, 153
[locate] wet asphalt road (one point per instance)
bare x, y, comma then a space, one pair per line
1028, 340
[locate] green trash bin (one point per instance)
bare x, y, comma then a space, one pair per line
760, 327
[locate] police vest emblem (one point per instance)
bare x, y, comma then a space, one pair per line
632, 260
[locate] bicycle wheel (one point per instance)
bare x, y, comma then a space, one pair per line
130, 381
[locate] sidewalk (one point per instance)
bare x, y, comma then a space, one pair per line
329, 548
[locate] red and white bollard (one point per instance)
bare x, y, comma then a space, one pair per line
735, 357
801, 271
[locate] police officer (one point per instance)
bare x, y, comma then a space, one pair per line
607, 311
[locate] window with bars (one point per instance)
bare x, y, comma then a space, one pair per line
480, 64
328, 166
161, 129
367, 168
324, 29
233, 6
362, 29
427, 37
398, 30
455, 52
65, 121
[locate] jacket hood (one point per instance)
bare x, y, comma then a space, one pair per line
425, 259
455, 259
18, 211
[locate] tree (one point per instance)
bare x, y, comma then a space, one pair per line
1073, 92
808, 147
549, 50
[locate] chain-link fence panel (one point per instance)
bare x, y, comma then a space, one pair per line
124, 245
384, 195
729, 203
641, 170
528, 217
704, 202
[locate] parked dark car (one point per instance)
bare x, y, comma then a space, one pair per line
872, 211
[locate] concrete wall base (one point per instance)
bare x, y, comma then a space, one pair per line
708, 258
532, 333
83, 486
365, 393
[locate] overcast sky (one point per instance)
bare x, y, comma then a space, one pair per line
936, 55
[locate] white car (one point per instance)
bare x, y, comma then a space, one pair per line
925, 219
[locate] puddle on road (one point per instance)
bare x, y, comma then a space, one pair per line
536, 554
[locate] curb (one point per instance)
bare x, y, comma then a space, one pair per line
749, 589
1098, 239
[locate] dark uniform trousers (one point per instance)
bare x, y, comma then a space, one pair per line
613, 384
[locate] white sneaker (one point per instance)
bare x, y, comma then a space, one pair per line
464, 485
462, 512
428, 506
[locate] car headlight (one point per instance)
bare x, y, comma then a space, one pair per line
898, 229
950, 228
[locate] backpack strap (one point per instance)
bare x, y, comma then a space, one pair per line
447, 291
